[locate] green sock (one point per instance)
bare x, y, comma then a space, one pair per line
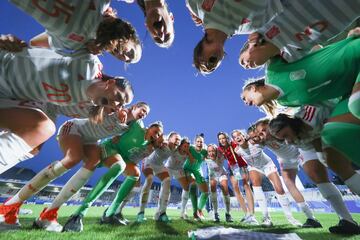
124, 190
193, 197
203, 198
102, 185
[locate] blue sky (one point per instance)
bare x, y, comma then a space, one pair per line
183, 100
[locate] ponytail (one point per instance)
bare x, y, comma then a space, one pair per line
96, 114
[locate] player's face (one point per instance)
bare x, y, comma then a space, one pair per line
199, 142
175, 139
140, 112
160, 23
254, 138
222, 140
212, 53
238, 137
287, 134
155, 133
253, 96
184, 148
262, 132
129, 52
252, 58
211, 152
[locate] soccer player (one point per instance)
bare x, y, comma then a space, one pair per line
218, 175
72, 26
261, 164
293, 26
289, 159
120, 154
154, 165
304, 131
238, 171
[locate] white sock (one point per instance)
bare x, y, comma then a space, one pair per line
40, 180
74, 184
213, 197
13, 148
127, 199
164, 195
333, 195
259, 196
353, 183
227, 203
184, 200
285, 205
145, 190
306, 209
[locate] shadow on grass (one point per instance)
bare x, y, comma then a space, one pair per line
166, 228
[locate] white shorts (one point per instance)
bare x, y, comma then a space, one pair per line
239, 172
219, 178
157, 169
311, 154
72, 128
266, 170
178, 173
27, 104
289, 163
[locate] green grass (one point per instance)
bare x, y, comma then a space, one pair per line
177, 229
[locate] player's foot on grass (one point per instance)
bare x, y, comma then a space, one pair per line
74, 224
9, 219
251, 220
184, 216
243, 219
216, 218
163, 217
201, 215
122, 218
196, 217
228, 218
312, 223
48, 221
266, 222
294, 222
112, 220
345, 227
140, 218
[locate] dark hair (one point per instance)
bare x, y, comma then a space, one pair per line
140, 104
157, 124
251, 128
96, 112
262, 121
257, 82
113, 33
172, 134
283, 120
184, 140
226, 136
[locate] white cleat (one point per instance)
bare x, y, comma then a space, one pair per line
50, 226
184, 216
251, 220
294, 222
266, 222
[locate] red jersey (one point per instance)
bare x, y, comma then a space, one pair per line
231, 156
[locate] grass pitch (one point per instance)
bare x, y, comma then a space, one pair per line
177, 229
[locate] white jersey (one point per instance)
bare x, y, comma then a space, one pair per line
80, 110
234, 17
44, 75
254, 156
282, 150
69, 23
158, 156
215, 167
176, 161
90, 132
314, 116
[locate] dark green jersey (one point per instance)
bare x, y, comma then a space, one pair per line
199, 157
325, 74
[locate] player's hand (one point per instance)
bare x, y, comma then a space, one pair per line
354, 32
11, 43
115, 139
122, 115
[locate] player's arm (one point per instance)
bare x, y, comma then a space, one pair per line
41, 40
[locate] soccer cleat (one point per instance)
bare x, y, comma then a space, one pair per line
251, 220
244, 218
312, 223
294, 222
112, 220
216, 218
74, 224
345, 227
163, 218
9, 219
121, 217
184, 216
200, 215
196, 217
228, 218
266, 222
48, 220
140, 217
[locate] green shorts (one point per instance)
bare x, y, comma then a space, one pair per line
199, 179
